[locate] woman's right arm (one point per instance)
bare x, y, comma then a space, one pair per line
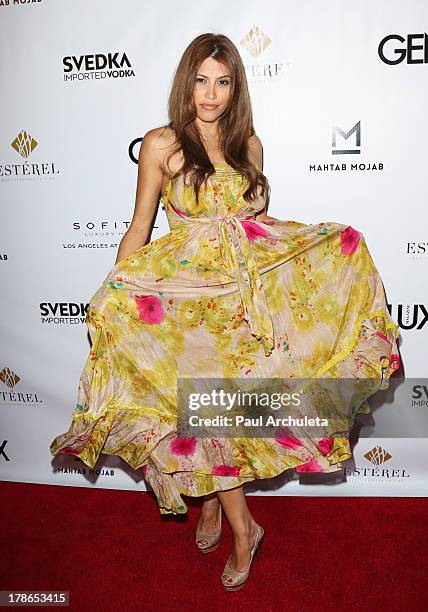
149, 183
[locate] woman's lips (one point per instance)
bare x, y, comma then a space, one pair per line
209, 106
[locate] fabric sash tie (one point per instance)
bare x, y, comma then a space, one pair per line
237, 254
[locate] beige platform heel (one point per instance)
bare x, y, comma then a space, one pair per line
233, 580
207, 542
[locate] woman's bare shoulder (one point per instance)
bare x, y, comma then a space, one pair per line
164, 133
162, 140
255, 150
161, 137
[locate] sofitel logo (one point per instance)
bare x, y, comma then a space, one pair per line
97, 66
63, 313
255, 42
101, 228
95, 234
97, 229
24, 144
345, 148
408, 49
11, 379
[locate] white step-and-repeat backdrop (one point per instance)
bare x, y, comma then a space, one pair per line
339, 94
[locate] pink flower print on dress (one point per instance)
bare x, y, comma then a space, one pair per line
183, 446
325, 445
395, 361
225, 470
286, 438
349, 239
150, 308
254, 230
70, 450
77, 448
382, 335
310, 466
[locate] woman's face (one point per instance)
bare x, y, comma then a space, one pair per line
212, 89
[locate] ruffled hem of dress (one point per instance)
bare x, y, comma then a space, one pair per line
88, 437
168, 486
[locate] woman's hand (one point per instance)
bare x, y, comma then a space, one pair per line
268, 220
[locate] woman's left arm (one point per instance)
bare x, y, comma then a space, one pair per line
262, 217
256, 152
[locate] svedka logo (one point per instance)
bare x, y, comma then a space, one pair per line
394, 49
15, 398
255, 42
341, 146
24, 144
97, 66
63, 313
420, 396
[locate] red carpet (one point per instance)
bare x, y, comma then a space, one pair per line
113, 551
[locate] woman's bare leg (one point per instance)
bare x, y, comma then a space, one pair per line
243, 525
209, 514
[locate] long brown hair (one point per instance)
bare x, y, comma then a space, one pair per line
235, 124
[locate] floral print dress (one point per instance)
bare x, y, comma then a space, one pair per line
222, 295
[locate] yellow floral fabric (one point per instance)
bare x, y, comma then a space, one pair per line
222, 295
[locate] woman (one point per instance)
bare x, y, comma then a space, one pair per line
229, 292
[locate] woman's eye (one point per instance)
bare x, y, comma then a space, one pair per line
223, 81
